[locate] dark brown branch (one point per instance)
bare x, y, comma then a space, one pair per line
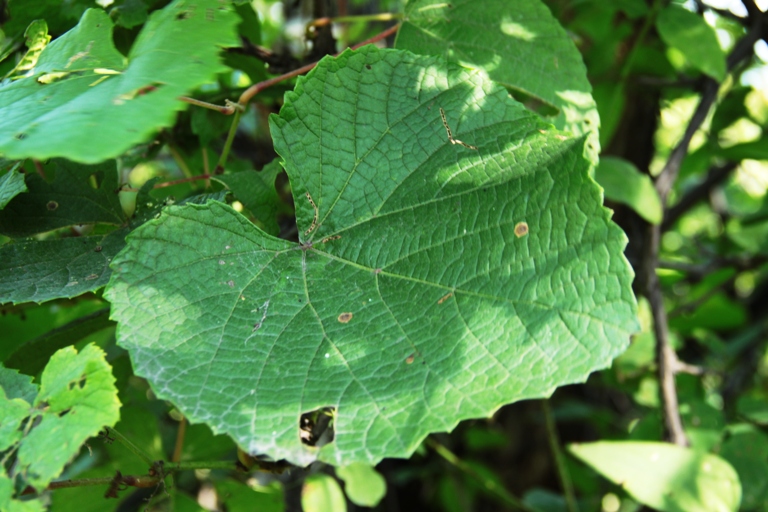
701, 191
667, 363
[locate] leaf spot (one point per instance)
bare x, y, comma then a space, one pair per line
445, 297
345, 318
521, 229
20, 136
52, 205
377, 271
231, 283
409, 359
91, 277
222, 262
97, 248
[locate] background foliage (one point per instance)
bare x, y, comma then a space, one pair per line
434, 249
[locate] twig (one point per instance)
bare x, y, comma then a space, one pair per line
557, 454
253, 90
108, 431
666, 358
715, 177
490, 485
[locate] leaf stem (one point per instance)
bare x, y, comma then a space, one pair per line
487, 484
228, 144
253, 90
109, 431
557, 453
176, 457
382, 16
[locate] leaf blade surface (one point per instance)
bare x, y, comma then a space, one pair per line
433, 282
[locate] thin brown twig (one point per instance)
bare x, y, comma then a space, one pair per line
253, 90
179, 446
667, 362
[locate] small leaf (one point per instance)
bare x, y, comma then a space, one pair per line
624, 183
690, 34
42, 270
77, 398
88, 116
520, 45
322, 493
17, 385
37, 39
363, 485
11, 184
13, 411
665, 477
8, 504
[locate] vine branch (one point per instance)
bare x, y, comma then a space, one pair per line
667, 362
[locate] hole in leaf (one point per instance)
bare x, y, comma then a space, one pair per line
80, 383
316, 427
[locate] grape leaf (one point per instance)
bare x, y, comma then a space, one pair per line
85, 102
525, 49
69, 200
41, 270
432, 282
17, 385
11, 185
77, 398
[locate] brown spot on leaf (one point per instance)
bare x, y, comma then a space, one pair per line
521, 229
445, 297
409, 359
97, 248
345, 318
52, 205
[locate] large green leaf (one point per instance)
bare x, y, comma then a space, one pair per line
433, 282
67, 201
85, 102
37, 271
519, 44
